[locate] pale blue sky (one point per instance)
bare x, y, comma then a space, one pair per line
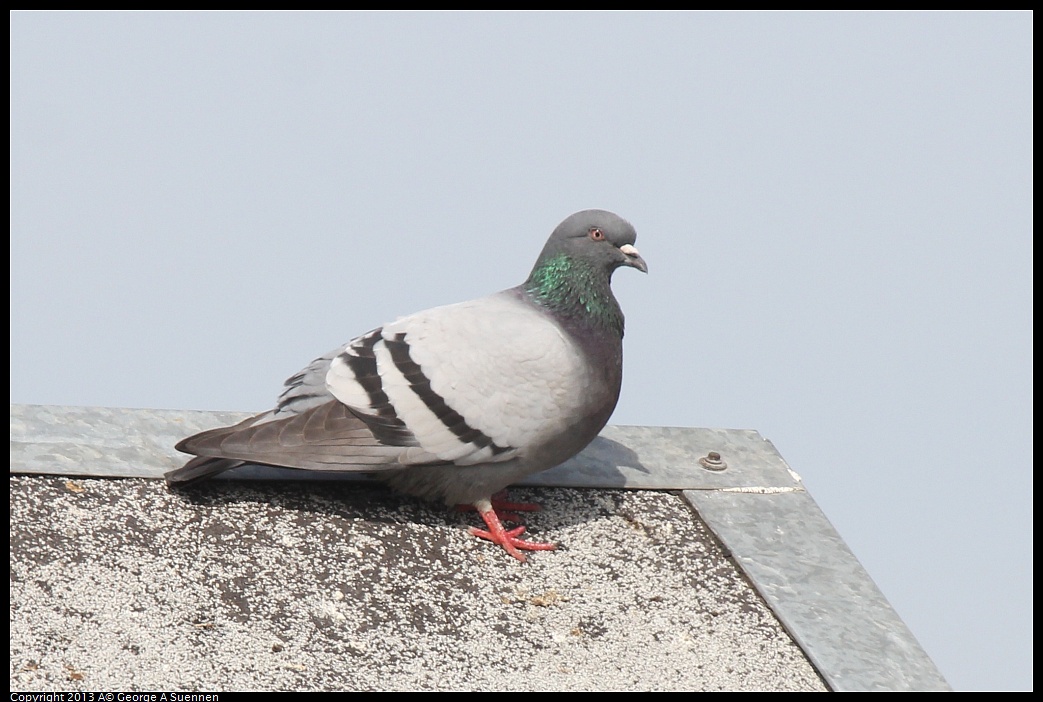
836, 210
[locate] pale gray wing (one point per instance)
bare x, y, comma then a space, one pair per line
476, 382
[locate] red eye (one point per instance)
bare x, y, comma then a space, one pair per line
596, 234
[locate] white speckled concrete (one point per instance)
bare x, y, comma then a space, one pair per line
119, 584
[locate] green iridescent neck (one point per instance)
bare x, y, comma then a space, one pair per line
575, 290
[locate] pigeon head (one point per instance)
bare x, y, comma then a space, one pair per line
572, 275
595, 237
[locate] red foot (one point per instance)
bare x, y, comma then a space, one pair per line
508, 539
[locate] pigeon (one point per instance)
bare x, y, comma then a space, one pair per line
457, 402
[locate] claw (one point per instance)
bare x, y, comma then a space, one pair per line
506, 538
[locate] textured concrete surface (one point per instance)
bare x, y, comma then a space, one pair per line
119, 584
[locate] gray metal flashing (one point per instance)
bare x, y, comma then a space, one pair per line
756, 506
113, 442
819, 591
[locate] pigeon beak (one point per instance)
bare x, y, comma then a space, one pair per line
633, 259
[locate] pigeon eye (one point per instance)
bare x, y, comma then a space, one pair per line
596, 234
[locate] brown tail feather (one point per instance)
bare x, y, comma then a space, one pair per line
200, 468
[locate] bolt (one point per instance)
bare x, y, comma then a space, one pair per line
712, 461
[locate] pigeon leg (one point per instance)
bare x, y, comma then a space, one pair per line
501, 503
508, 539
506, 510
